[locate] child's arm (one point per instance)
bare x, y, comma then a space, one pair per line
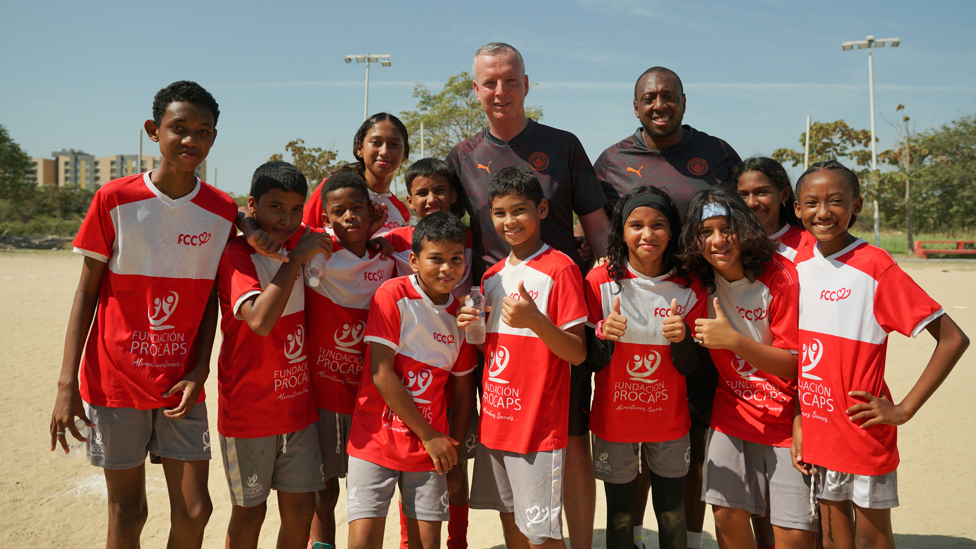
68, 405
718, 333
522, 313
684, 356
262, 242
951, 343
262, 311
192, 383
439, 446
466, 316
383, 246
796, 445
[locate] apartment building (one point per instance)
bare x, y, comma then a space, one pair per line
73, 167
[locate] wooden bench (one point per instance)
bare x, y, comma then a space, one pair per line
960, 248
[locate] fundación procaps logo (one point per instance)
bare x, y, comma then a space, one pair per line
497, 361
812, 353
161, 309
349, 336
641, 368
746, 370
536, 515
295, 346
416, 383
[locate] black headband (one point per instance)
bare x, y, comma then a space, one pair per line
651, 200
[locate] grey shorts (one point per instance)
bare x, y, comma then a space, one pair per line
468, 446
756, 477
333, 431
619, 462
370, 490
528, 485
867, 492
123, 436
287, 463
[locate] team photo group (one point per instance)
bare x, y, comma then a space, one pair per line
692, 329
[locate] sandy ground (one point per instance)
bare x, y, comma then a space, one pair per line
46, 501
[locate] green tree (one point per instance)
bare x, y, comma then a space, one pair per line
830, 140
315, 163
449, 116
14, 166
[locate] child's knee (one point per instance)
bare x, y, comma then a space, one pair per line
129, 515
195, 512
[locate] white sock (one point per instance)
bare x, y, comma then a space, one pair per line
639, 536
694, 540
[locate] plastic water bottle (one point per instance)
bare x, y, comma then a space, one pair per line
475, 333
75, 446
315, 270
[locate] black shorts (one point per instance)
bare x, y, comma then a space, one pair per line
580, 391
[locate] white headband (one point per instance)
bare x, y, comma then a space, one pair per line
714, 209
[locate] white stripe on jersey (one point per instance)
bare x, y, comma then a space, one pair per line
267, 268
346, 275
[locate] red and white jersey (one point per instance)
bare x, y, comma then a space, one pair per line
263, 382
789, 239
849, 302
336, 313
429, 348
639, 396
401, 239
751, 404
525, 402
162, 257
398, 214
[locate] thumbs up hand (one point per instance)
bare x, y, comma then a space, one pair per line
716, 333
674, 325
520, 312
615, 325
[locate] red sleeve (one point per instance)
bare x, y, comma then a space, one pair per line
399, 205
465, 362
900, 304
96, 238
566, 299
594, 298
313, 209
784, 311
238, 276
293, 239
401, 238
383, 324
698, 302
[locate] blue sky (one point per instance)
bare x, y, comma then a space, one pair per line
82, 75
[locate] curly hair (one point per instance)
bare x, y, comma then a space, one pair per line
846, 174
617, 250
776, 174
755, 248
183, 91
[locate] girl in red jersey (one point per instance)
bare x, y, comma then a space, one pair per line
639, 401
751, 334
380, 146
765, 187
853, 295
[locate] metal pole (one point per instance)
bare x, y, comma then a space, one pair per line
366, 104
806, 148
874, 146
139, 160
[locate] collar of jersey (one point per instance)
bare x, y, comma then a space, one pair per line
685, 139
522, 136
423, 295
167, 200
508, 258
857, 242
641, 276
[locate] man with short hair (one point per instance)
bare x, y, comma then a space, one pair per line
570, 185
682, 161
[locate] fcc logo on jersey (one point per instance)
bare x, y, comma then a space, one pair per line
161, 309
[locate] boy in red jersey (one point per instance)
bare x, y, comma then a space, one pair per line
268, 436
399, 427
336, 308
152, 243
534, 332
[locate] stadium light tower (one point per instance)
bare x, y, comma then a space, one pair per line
384, 60
870, 43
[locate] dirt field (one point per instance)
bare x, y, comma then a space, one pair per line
46, 501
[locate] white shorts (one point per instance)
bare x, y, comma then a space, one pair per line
123, 436
333, 429
747, 475
867, 492
287, 463
619, 462
528, 485
370, 490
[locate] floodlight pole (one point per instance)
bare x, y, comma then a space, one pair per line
869, 43
368, 58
